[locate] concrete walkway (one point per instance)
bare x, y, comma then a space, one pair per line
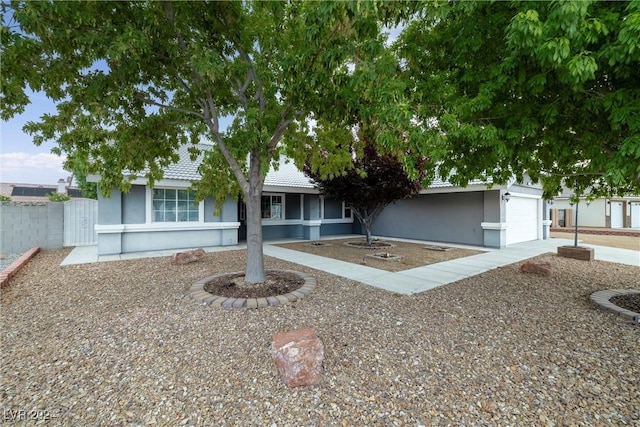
405, 282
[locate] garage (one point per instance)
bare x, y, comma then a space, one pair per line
635, 214
522, 219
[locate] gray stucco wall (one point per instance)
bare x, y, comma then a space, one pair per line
131, 208
293, 231
311, 207
24, 226
451, 217
492, 207
332, 209
110, 208
133, 205
292, 206
340, 228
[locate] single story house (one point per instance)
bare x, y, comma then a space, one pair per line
166, 216
617, 212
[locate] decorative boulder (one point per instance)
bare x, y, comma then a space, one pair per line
188, 256
298, 355
541, 268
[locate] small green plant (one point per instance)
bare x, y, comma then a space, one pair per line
58, 197
4, 198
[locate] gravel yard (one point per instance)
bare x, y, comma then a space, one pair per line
413, 254
121, 343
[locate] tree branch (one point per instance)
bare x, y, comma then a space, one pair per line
169, 107
573, 174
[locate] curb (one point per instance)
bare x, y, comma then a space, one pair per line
601, 300
16, 266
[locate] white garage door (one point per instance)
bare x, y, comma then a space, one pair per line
522, 219
635, 214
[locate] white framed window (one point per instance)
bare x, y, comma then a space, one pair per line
174, 205
335, 210
272, 207
347, 212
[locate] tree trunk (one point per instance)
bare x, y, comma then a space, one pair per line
367, 229
255, 257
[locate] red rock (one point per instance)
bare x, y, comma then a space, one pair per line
541, 268
188, 256
298, 355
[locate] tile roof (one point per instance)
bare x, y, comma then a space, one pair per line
186, 169
286, 175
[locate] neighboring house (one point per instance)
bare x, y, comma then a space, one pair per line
166, 217
618, 212
36, 192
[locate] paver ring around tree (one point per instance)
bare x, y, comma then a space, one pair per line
229, 290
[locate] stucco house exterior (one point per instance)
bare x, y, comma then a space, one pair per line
166, 216
617, 212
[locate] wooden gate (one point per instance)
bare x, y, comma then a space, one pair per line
80, 217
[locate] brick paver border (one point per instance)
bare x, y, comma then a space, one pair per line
15, 266
200, 295
601, 300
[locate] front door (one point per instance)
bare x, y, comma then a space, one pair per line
242, 219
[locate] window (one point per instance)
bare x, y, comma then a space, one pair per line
271, 207
347, 212
174, 205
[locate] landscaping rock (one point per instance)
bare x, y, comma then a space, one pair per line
576, 252
298, 355
189, 256
541, 268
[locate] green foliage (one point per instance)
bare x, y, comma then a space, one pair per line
374, 181
4, 198
89, 190
134, 81
58, 197
551, 89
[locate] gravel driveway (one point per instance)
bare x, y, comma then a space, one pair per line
120, 343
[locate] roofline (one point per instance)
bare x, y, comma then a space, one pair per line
457, 189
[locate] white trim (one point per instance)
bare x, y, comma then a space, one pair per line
164, 183
312, 222
283, 207
164, 226
268, 222
455, 189
337, 221
546, 222
493, 225
148, 217
289, 190
526, 196
301, 206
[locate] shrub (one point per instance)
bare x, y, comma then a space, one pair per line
58, 197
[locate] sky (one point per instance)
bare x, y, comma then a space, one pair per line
21, 162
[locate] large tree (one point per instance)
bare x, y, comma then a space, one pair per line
551, 89
135, 80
